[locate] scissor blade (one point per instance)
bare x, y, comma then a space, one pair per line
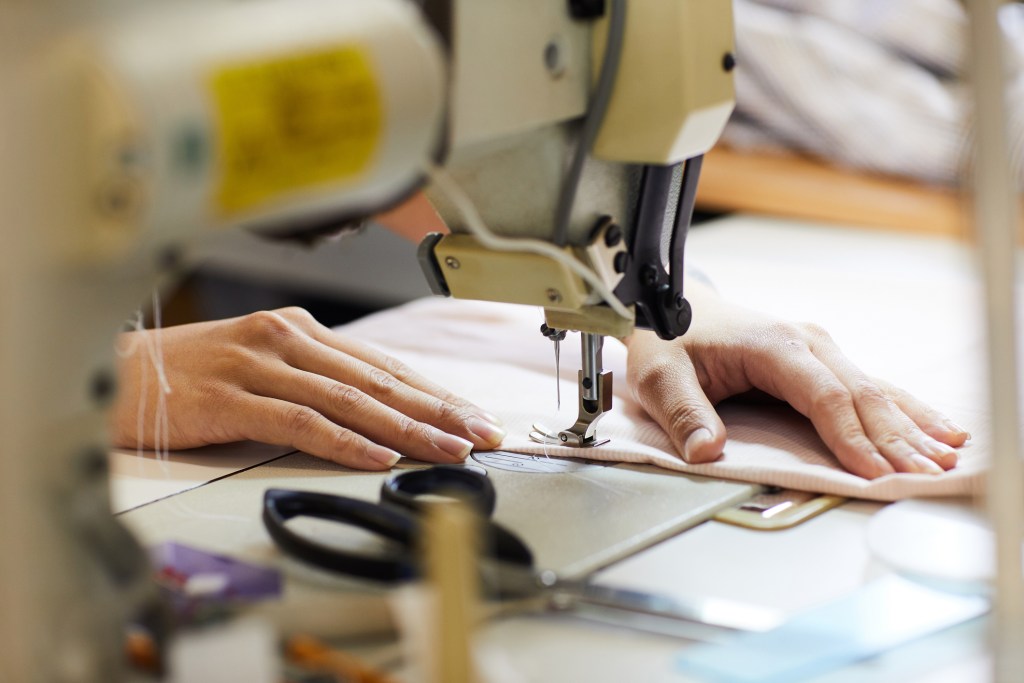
647, 623
707, 611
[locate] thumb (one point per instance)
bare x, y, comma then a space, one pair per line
667, 387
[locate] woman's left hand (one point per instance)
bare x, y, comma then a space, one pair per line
872, 427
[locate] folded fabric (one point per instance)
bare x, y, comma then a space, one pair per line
494, 355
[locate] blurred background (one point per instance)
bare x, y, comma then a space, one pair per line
849, 111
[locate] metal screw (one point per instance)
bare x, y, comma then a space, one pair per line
649, 275
621, 262
554, 296
101, 386
551, 333
613, 236
452, 262
564, 437
553, 58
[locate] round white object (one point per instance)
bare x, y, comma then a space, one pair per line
946, 542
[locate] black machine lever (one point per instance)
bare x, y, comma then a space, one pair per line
657, 293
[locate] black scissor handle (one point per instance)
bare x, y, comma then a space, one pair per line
473, 488
280, 505
400, 524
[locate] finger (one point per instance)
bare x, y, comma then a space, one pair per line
930, 448
315, 357
359, 412
930, 420
274, 421
796, 376
395, 368
669, 390
895, 434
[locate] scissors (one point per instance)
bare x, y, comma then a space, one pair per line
403, 500
506, 567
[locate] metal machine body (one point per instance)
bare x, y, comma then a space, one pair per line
131, 129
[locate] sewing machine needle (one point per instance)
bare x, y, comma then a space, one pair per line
558, 382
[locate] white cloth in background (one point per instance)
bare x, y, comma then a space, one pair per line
875, 85
494, 355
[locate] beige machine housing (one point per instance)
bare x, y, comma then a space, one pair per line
675, 90
672, 97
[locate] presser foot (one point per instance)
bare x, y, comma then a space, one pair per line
583, 434
566, 437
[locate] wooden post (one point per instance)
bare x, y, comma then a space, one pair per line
451, 551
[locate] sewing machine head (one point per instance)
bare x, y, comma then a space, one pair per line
576, 136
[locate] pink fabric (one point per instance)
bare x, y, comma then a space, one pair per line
493, 355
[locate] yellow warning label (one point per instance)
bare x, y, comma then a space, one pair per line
293, 123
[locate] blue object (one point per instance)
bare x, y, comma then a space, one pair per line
883, 615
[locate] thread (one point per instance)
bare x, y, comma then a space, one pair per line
152, 343
161, 420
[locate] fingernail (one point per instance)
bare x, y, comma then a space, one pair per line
694, 442
939, 449
451, 444
957, 429
385, 456
489, 417
488, 432
926, 465
883, 465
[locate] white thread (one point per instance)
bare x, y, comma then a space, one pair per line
182, 509
137, 337
140, 414
475, 224
161, 421
135, 324
153, 344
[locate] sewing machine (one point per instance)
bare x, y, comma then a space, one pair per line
133, 129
